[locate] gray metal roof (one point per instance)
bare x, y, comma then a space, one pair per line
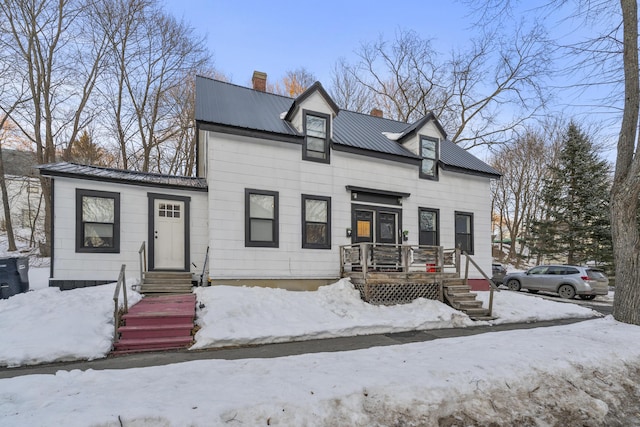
73, 170
222, 103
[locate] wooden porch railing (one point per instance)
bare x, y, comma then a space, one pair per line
363, 257
468, 260
122, 284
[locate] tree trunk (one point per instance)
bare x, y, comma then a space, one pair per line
7, 208
626, 185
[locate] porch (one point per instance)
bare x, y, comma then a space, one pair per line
387, 274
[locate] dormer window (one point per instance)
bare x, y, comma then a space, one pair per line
429, 154
316, 143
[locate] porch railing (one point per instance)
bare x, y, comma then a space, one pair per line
363, 257
122, 284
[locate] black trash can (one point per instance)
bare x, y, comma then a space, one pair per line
14, 276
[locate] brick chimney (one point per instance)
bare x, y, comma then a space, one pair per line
376, 112
259, 81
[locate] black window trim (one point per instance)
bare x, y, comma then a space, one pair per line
306, 245
472, 240
80, 247
327, 145
437, 212
275, 243
433, 177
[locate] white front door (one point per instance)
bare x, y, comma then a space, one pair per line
168, 234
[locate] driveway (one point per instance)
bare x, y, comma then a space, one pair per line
601, 304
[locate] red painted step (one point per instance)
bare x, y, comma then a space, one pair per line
157, 323
155, 331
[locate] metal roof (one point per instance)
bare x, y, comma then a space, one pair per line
74, 170
222, 103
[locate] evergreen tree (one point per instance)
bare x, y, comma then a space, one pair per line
575, 226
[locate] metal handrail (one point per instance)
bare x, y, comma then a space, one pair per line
142, 252
204, 266
122, 283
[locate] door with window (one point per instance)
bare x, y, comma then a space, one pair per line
375, 224
168, 240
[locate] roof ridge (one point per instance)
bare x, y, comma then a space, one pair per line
106, 168
245, 87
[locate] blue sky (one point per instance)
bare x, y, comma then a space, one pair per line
276, 36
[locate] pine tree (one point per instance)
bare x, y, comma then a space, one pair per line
575, 226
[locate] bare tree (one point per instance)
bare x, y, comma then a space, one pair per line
293, 83
516, 196
152, 55
482, 94
59, 58
610, 59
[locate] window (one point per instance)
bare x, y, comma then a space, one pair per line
429, 227
316, 222
316, 143
429, 154
464, 231
261, 218
97, 221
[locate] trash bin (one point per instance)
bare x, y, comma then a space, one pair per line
14, 276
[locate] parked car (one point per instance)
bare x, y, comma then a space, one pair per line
499, 272
566, 280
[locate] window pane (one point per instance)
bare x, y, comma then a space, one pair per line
463, 224
97, 209
428, 149
427, 221
98, 235
315, 210
316, 126
315, 144
261, 230
316, 233
463, 241
261, 206
386, 230
364, 229
428, 167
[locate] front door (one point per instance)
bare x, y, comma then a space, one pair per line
167, 242
375, 224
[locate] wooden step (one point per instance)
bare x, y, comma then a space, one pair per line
466, 304
168, 274
472, 312
152, 344
462, 295
155, 331
457, 288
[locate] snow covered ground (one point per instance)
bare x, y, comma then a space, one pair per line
586, 373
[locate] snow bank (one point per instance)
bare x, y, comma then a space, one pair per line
49, 325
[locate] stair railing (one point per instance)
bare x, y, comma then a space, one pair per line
469, 259
204, 267
122, 284
142, 252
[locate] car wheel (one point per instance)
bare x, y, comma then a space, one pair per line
533, 291
513, 285
567, 291
587, 297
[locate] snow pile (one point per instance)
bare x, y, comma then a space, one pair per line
49, 325
242, 315
581, 374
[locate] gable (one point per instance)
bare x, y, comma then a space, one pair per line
229, 108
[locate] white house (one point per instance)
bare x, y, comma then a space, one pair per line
282, 183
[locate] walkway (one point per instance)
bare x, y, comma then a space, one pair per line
141, 360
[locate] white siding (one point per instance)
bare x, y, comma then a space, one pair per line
133, 230
237, 163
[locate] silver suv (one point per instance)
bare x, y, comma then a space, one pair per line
566, 280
